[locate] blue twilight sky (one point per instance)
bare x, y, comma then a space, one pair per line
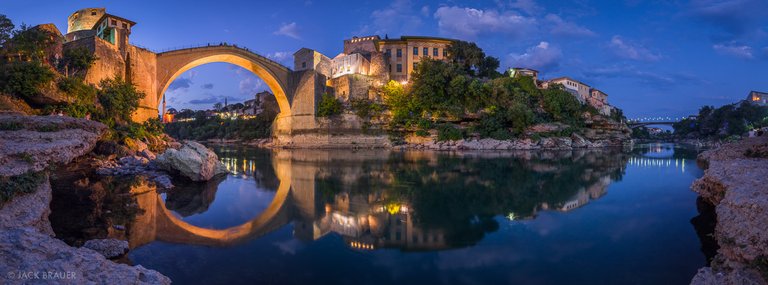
652, 57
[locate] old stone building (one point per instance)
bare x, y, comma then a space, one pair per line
403, 54
107, 37
370, 62
309, 59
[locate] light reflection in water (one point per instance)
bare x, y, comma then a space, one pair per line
369, 201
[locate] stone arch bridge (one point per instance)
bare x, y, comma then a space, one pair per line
296, 91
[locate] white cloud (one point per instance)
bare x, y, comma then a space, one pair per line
543, 57
469, 23
289, 30
628, 50
740, 51
561, 27
282, 57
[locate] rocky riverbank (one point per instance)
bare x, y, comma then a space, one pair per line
29, 252
553, 143
736, 182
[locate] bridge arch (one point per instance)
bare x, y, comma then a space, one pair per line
163, 225
172, 64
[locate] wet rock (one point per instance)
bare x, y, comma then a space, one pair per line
109, 248
133, 161
193, 161
148, 154
112, 148
577, 141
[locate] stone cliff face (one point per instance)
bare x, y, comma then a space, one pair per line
737, 184
607, 132
28, 249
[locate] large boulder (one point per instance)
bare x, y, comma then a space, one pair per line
193, 161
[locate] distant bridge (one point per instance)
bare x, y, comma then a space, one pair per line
647, 121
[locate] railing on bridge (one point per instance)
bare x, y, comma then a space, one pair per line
206, 45
651, 120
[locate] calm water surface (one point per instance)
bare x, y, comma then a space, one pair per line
382, 217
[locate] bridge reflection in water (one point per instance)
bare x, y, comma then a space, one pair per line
407, 200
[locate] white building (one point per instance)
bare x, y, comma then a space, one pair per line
577, 88
344, 64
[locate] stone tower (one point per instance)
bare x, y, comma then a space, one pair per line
84, 19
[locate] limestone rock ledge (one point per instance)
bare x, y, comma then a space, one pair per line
738, 186
31, 143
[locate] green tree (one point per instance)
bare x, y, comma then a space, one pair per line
329, 106
119, 99
77, 60
473, 60
31, 42
561, 105
6, 28
23, 79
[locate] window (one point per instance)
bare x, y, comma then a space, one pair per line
114, 23
415, 51
399, 67
415, 65
389, 52
434, 52
125, 26
399, 53
93, 13
390, 68
445, 53
426, 51
304, 64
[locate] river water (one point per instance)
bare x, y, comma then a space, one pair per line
384, 217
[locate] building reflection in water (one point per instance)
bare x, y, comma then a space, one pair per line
382, 199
